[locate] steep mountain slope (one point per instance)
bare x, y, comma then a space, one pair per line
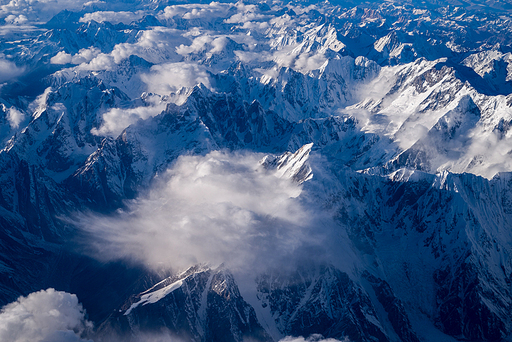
379, 210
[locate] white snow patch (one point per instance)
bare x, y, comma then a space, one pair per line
155, 296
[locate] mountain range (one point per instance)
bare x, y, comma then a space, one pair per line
256, 171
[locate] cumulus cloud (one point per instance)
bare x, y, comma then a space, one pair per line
117, 119
204, 43
94, 2
112, 17
255, 25
9, 70
15, 117
307, 62
252, 56
245, 13
219, 208
62, 58
198, 45
47, 315
287, 57
312, 338
102, 61
167, 78
16, 19
193, 11
156, 46
83, 56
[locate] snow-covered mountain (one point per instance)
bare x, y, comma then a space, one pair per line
259, 171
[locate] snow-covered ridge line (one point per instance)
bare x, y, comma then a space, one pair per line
402, 111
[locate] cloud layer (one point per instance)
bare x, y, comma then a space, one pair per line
47, 315
117, 119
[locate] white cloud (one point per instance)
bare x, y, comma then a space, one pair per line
255, 25
198, 45
62, 58
16, 20
246, 13
15, 117
491, 154
102, 61
39, 104
83, 56
202, 43
156, 46
9, 70
217, 208
47, 315
9, 29
94, 2
37, 10
304, 62
112, 17
117, 119
301, 9
312, 338
88, 59
251, 56
218, 44
282, 21
307, 62
166, 78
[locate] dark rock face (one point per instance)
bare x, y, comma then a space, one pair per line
322, 300
466, 309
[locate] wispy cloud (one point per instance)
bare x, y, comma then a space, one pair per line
37, 10
16, 19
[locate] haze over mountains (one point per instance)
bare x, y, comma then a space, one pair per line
275, 171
